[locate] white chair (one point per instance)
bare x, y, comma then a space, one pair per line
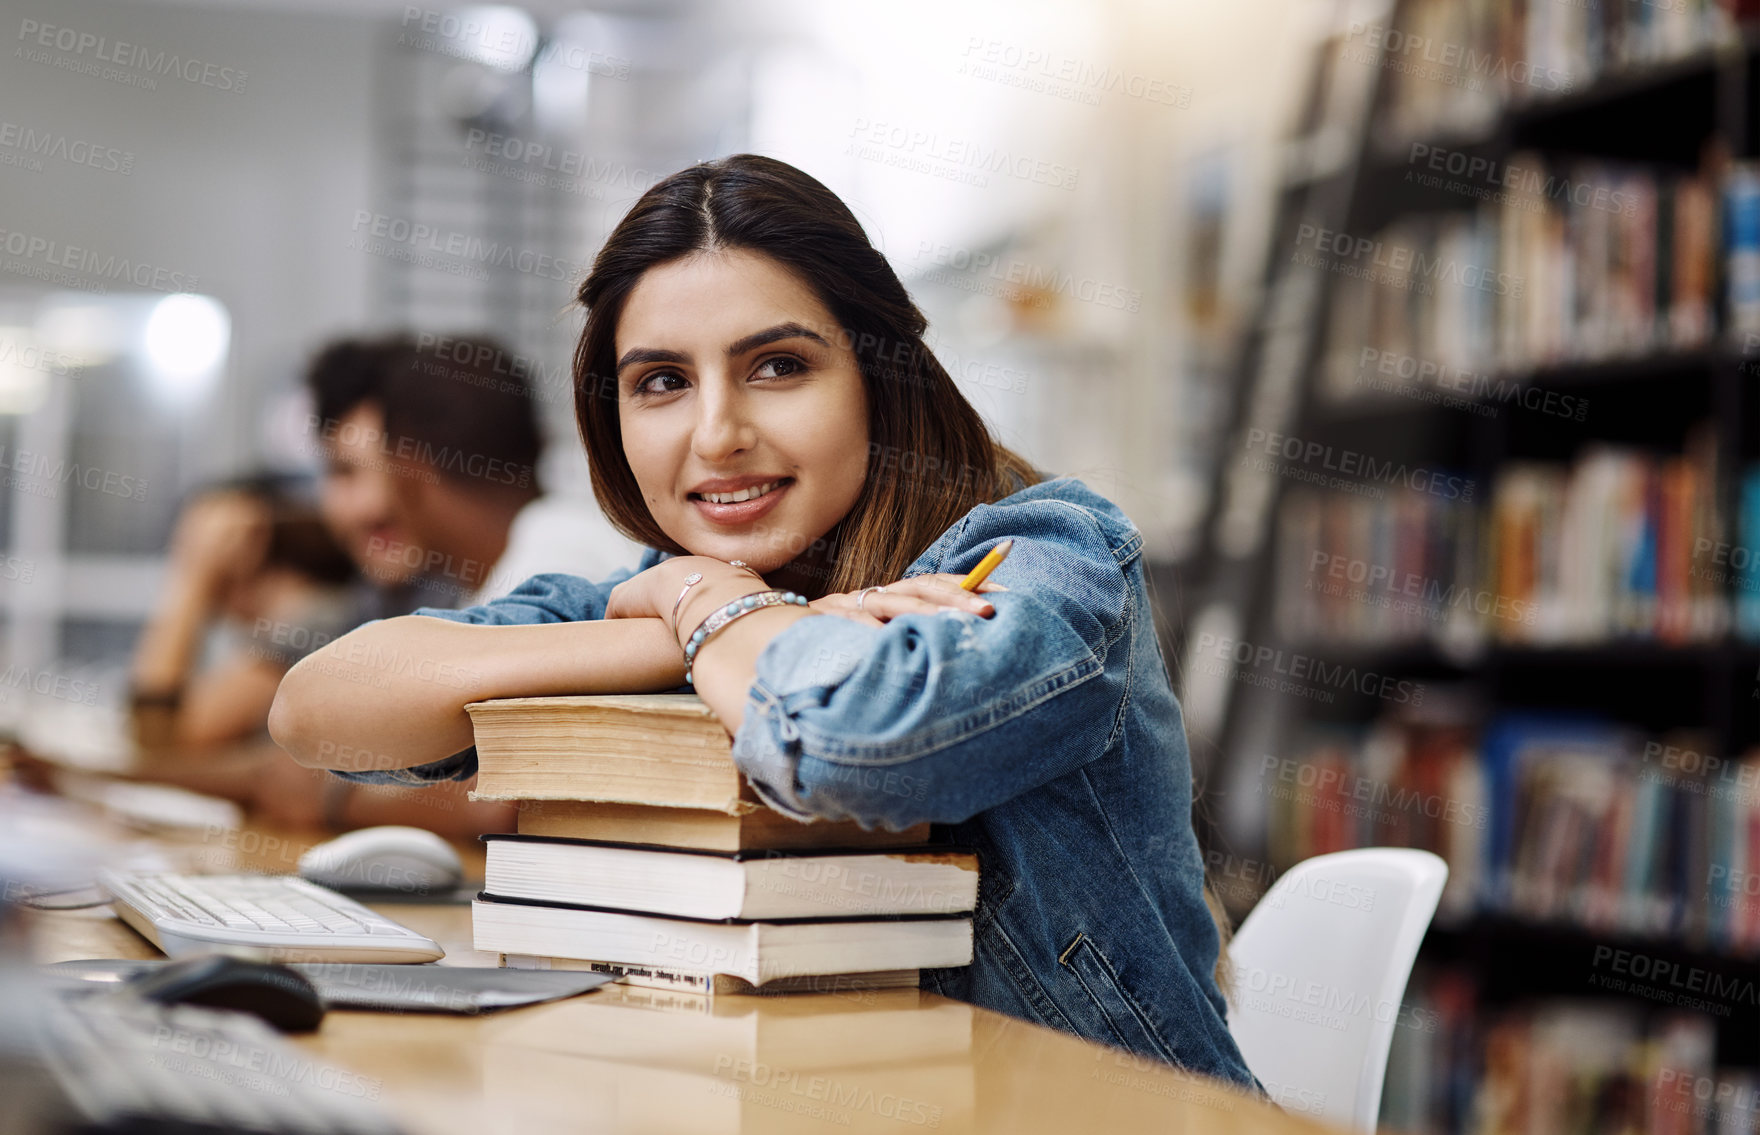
1320, 966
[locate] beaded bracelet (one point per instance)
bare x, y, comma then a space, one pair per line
744, 605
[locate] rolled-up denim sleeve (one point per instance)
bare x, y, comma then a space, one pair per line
936, 717
550, 598
461, 765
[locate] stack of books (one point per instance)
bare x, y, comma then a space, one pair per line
641, 851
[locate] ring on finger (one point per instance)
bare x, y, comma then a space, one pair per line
862, 595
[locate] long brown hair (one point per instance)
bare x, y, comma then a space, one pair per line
931, 459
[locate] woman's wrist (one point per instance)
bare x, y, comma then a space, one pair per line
718, 588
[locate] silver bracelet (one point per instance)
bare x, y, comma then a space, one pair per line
690, 581
727, 613
696, 577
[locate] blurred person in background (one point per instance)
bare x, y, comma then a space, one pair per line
429, 486
430, 480
256, 581
430, 449
247, 557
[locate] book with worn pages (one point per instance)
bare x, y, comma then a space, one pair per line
753, 828
747, 885
668, 750
757, 952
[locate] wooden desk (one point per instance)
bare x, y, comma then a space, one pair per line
626, 1059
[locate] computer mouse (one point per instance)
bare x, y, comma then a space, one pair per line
279, 995
388, 858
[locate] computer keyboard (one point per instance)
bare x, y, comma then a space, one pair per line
273, 917
118, 1064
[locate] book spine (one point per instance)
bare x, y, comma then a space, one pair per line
1742, 247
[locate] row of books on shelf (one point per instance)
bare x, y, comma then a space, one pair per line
1542, 817
641, 851
1619, 545
1453, 65
1575, 1065
1578, 262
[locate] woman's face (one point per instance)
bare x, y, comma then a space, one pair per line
732, 378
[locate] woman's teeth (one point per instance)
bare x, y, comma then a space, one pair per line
742, 495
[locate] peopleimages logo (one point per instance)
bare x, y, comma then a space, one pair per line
1353, 794
37, 467
571, 167
1394, 263
1475, 390
1062, 76
28, 355
449, 33
1662, 979
1336, 459
34, 35
1372, 581
465, 246
49, 685
1524, 180
422, 459
1298, 667
1399, 47
1035, 278
51, 254
27, 144
957, 159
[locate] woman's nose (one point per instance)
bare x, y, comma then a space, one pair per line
723, 426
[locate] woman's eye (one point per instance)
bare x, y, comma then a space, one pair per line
648, 385
780, 367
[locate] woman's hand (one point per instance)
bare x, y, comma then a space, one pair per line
917, 594
652, 593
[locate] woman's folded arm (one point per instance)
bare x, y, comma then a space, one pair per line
940, 716
389, 696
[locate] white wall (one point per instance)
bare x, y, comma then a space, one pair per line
252, 191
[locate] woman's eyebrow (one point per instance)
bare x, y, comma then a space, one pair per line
650, 355
734, 349
771, 335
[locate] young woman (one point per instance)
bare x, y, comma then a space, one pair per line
759, 409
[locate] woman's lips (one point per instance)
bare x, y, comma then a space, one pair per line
743, 512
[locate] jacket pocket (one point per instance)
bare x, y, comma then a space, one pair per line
1129, 1022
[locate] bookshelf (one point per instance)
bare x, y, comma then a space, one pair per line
1580, 380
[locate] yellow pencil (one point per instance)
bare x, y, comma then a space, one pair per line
987, 565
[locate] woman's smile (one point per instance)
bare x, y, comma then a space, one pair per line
742, 506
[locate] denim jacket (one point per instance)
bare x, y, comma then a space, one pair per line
1046, 736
